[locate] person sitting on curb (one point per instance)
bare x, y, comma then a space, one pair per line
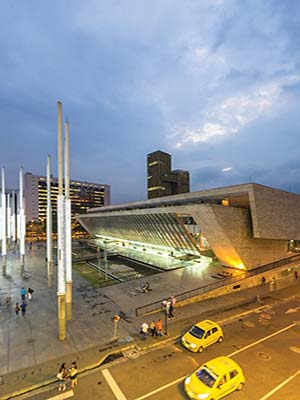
146, 287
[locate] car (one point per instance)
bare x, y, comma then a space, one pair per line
215, 379
202, 335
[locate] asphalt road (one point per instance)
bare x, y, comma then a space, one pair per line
266, 345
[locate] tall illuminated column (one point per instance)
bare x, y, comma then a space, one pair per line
8, 213
49, 226
61, 279
21, 222
3, 223
13, 218
68, 233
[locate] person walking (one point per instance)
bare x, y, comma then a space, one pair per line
23, 293
144, 330
29, 293
23, 308
73, 374
296, 275
17, 309
62, 376
159, 327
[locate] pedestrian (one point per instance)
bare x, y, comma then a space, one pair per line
29, 293
171, 309
263, 280
144, 330
73, 374
173, 301
164, 305
153, 328
62, 376
17, 309
23, 294
159, 327
23, 308
296, 275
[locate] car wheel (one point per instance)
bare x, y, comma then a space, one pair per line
220, 340
200, 349
240, 386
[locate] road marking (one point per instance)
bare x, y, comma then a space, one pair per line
262, 340
229, 355
266, 396
113, 385
161, 388
63, 396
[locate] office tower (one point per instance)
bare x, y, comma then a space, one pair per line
162, 181
83, 195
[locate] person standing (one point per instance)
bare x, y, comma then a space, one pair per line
30, 292
23, 294
153, 329
159, 327
171, 309
62, 376
73, 374
173, 301
144, 330
23, 308
17, 309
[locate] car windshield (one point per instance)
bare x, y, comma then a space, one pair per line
206, 377
197, 332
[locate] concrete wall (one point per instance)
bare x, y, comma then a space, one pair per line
229, 232
275, 213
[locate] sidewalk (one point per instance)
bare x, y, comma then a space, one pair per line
34, 354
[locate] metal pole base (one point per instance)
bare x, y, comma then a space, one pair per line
69, 300
4, 258
22, 262
49, 272
61, 301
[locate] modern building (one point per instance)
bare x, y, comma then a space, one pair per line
83, 195
244, 226
162, 181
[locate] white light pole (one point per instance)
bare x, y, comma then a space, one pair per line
3, 220
68, 233
49, 226
22, 226
61, 279
13, 218
8, 209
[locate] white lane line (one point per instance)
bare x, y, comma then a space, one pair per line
119, 395
266, 396
161, 388
229, 355
63, 396
261, 340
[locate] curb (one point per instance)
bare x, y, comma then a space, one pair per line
55, 380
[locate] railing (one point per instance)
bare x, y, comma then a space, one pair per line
156, 305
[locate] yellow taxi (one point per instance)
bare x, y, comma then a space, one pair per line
202, 335
215, 379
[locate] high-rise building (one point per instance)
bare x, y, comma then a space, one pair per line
83, 195
162, 181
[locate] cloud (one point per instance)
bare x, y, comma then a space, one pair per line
235, 112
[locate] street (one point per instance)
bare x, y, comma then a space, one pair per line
266, 345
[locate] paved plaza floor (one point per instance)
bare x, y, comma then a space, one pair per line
27, 343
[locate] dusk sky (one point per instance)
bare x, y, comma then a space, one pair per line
216, 83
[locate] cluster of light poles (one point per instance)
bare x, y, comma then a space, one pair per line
10, 231
64, 239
